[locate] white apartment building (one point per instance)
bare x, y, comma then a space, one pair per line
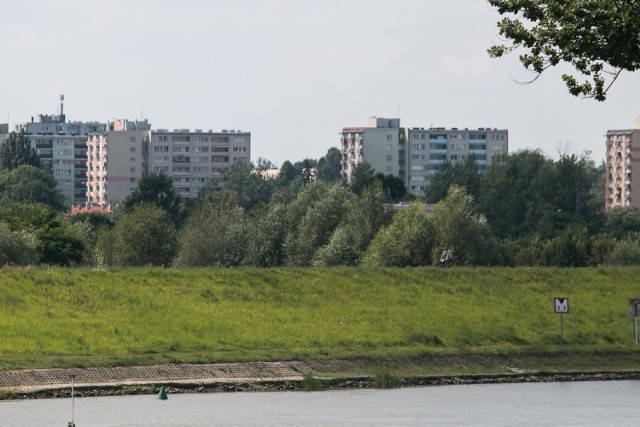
415, 154
130, 149
623, 157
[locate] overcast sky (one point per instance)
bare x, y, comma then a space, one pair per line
293, 72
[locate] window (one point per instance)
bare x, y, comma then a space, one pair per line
201, 169
389, 168
418, 157
162, 159
132, 170
389, 157
132, 159
132, 180
162, 169
389, 137
161, 148
220, 149
181, 149
418, 167
132, 149
180, 138
204, 159
418, 146
200, 149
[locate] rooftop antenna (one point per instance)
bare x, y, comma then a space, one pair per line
62, 108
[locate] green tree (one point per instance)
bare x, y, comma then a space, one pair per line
506, 193
392, 185
264, 164
16, 151
213, 237
329, 166
465, 174
158, 190
30, 184
599, 38
458, 228
407, 241
620, 222
287, 175
18, 247
313, 217
365, 216
626, 252
363, 175
250, 188
144, 236
59, 242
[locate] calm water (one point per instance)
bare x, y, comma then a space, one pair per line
612, 403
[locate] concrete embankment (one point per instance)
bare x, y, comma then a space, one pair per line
293, 375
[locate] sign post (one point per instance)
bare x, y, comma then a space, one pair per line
561, 305
634, 311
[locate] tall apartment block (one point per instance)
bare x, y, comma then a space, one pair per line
415, 154
192, 158
381, 144
62, 146
130, 149
116, 160
429, 148
623, 157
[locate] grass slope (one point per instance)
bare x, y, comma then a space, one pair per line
78, 317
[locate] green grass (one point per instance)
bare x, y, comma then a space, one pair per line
79, 317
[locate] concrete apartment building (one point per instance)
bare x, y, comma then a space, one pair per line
130, 149
381, 144
192, 158
623, 157
62, 146
116, 160
429, 148
414, 154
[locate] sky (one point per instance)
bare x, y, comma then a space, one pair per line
292, 72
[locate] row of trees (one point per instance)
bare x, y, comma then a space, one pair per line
526, 209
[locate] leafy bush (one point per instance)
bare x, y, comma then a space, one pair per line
626, 252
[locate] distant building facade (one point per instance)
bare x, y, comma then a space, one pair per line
381, 144
623, 158
415, 154
130, 149
62, 147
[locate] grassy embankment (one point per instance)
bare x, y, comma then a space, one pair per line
78, 317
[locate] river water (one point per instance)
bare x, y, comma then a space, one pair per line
597, 403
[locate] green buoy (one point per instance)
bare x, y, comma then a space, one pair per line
162, 395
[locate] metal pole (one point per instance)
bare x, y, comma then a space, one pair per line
561, 330
635, 329
73, 403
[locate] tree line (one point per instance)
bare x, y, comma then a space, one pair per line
526, 209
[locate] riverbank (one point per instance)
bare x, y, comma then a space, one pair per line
330, 374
